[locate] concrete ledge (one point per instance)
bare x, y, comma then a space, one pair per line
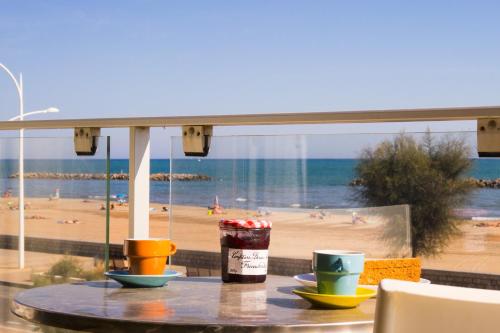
19, 285
462, 279
209, 262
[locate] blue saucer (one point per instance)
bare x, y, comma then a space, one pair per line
142, 281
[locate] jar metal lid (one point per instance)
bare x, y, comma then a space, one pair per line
245, 224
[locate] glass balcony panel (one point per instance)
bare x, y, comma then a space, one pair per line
64, 216
299, 182
9, 212
302, 184
64, 198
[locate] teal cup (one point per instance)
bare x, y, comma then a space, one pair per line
337, 271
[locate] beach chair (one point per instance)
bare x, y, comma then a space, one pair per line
411, 307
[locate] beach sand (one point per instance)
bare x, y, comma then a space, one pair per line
294, 235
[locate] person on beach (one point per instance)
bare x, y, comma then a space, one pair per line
216, 208
55, 196
356, 218
7, 194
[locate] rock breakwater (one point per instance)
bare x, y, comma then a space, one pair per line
113, 176
486, 183
481, 183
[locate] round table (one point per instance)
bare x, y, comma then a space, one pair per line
186, 305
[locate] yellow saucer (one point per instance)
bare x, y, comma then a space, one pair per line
335, 301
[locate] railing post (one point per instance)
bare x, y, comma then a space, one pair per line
138, 188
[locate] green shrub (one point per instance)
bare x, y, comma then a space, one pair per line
428, 175
41, 280
97, 273
66, 267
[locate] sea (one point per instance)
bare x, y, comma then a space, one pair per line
236, 183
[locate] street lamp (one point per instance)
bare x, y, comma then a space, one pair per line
20, 117
48, 110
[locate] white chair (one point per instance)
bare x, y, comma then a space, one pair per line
408, 307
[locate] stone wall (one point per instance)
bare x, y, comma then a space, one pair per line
208, 263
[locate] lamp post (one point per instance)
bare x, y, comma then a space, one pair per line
20, 117
48, 110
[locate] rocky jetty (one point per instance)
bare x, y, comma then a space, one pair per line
481, 183
487, 183
356, 182
114, 176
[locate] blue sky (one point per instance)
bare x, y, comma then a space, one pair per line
160, 58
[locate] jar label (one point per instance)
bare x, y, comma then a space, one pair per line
247, 262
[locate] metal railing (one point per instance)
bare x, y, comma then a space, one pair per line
366, 116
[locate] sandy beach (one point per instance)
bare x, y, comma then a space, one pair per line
294, 234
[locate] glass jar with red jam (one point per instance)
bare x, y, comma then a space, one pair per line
244, 250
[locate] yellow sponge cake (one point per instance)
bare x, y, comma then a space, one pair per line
376, 270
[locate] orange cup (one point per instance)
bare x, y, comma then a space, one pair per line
148, 256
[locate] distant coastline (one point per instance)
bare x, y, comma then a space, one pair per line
161, 176
113, 176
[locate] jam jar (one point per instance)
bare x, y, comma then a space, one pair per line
244, 250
